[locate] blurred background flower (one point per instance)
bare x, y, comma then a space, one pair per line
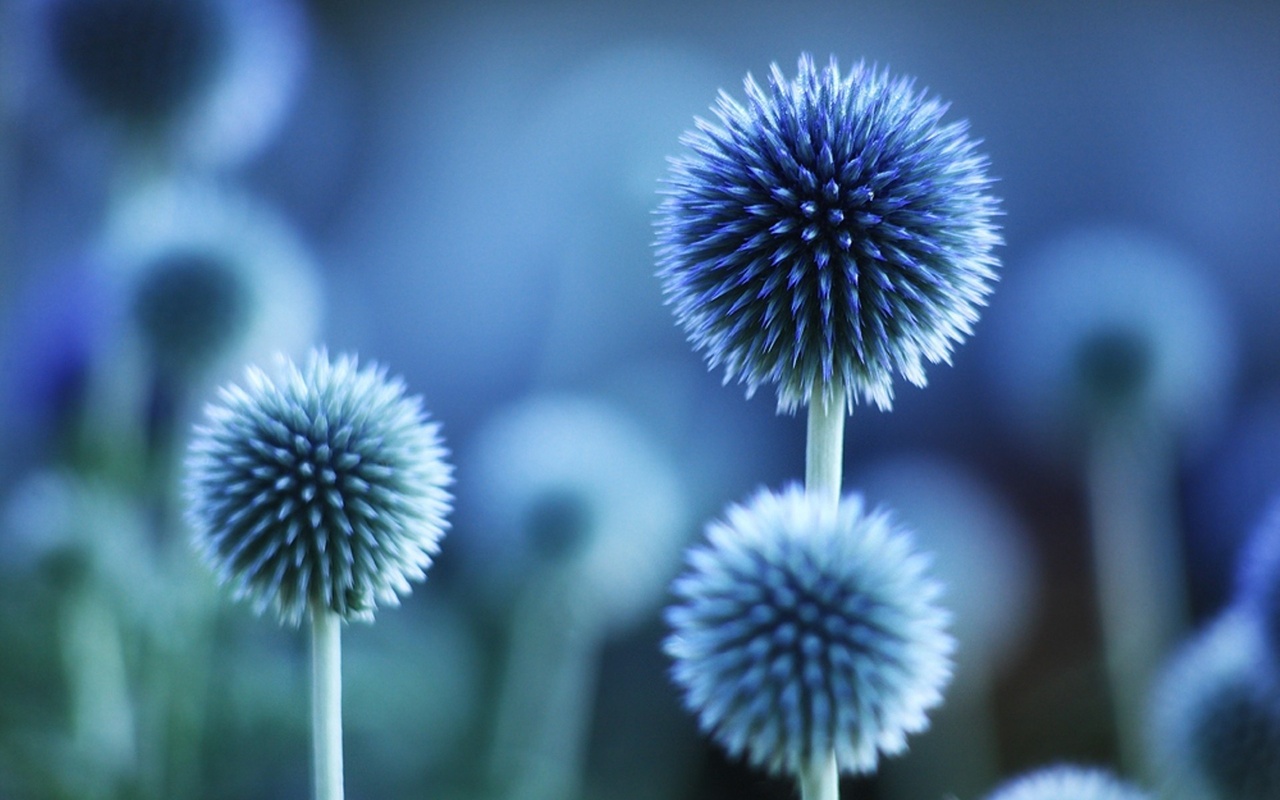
475, 184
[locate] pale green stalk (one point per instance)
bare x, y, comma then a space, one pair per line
1138, 565
824, 458
326, 703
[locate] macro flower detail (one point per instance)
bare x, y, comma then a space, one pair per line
804, 630
322, 488
1067, 782
832, 231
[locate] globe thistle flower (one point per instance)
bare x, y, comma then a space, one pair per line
321, 488
1110, 322
211, 277
804, 630
206, 79
571, 483
1068, 782
1215, 721
832, 231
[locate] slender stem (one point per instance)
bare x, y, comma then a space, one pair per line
820, 780
824, 449
326, 703
543, 715
1138, 566
823, 462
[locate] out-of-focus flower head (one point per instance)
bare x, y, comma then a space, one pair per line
321, 488
1068, 782
802, 630
207, 80
1215, 715
213, 277
832, 232
571, 483
1109, 321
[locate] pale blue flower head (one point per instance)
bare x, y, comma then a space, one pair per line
803, 630
322, 487
832, 231
1068, 782
1215, 715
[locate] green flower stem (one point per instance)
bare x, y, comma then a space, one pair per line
824, 449
102, 718
821, 780
326, 703
544, 710
1138, 564
823, 462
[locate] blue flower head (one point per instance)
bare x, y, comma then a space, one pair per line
322, 488
832, 231
1066, 782
803, 630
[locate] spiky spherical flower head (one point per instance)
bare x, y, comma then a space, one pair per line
1068, 782
803, 629
323, 488
832, 231
1216, 715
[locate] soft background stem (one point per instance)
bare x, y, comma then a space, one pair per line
326, 704
1138, 565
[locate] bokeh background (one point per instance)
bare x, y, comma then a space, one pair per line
472, 187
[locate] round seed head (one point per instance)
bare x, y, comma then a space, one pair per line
801, 631
321, 488
1065, 782
833, 230
1216, 716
